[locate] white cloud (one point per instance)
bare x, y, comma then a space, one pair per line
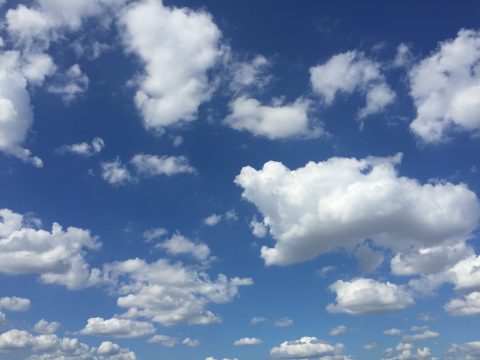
186, 45
341, 202
340, 329
46, 328
116, 173
284, 322
57, 256
14, 303
51, 347
3, 319
367, 296
180, 245
37, 67
393, 332
249, 74
16, 115
370, 346
257, 320
466, 351
351, 72
368, 259
154, 233
421, 333
307, 348
248, 341
148, 165
212, 219
70, 85
118, 328
190, 342
83, 148
259, 230
163, 340
169, 293
445, 88
275, 121
403, 57
467, 306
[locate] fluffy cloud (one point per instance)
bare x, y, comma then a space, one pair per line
16, 115
14, 304
421, 333
249, 74
169, 293
118, 328
467, 351
257, 320
180, 245
115, 173
340, 329
46, 328
83, 148
406, 351
466, 306
51, 347
307, 348
190, 342
70, 85
56, 255
445, 88
154, 233
341, 202
163, 340
148, 165
283, 322
393, 332
275, 121
212, 219
367, 296
247, 341
186, 45
352, 72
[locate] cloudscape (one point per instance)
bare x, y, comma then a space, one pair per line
239, 179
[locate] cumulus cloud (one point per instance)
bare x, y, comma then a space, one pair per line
58, 256
340, 329
212, 219
307, 348
275, 121
115, 173
257, 320
393, 332
83, 148
467, 351
71, 84
468, 305
248, 341
170, 293
154, 233
46, 328
118, 328
421, 333
190, 342
351, 72
445, 88
14, 304
51, 347
186, 46
367, 296
283, 322
341, 202
180, 245
249, 74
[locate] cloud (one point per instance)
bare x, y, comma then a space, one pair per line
275, 121
307, 348
393, 332
180, 245
247, 341
186, 46
44, 327
366, 296
83, 148
421, 333
257, 320
154, 233
70, 85
58, 256
341, 202
249, 74
170, 293
37, 67
468, 305
148, 165
368, 259
14, 304
190, 342
51, 347
212, 219
467, 351
118, 328
340, 329
115, 173
370, 346
3, 319
16, 115
351, 72
445, 88
284, 322
163, 340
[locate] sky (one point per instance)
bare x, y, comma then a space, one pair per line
239, 180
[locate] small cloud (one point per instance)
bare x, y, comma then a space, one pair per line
284, 322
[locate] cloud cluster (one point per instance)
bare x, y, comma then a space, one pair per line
58, 256
14, 304
341, 202
118, 328
308, 348
84, 148
445, 88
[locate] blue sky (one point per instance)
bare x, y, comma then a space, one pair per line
239, 180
